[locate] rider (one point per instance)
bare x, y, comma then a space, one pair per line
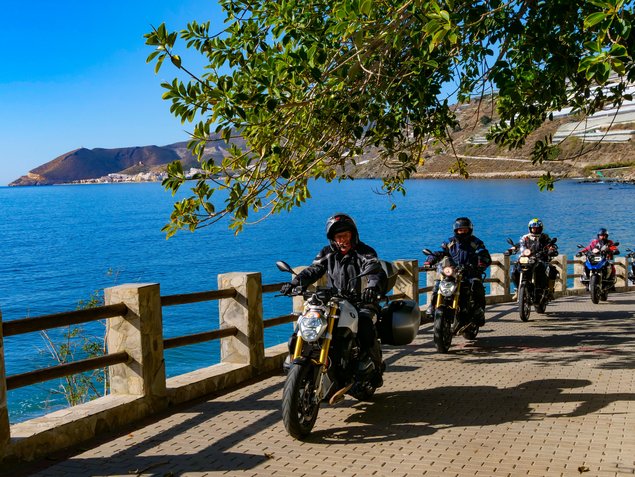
599, 242
346, 257
537, 241
464, 248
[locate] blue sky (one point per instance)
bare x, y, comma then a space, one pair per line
73, 74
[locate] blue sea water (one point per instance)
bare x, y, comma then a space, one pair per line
60, 244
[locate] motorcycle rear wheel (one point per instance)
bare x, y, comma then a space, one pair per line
470, 333
442, 330
524, 304
594, 288
299, 404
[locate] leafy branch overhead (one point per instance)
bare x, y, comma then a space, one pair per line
310, 85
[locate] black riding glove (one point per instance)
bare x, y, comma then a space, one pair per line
370, 295
286, 288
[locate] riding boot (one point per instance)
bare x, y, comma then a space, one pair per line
431, 307
375, 355
551, 286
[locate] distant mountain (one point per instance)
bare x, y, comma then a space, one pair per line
599, 146
83, 163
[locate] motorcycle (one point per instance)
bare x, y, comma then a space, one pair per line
631, 273
455, 307
324, 362
533, 284
599, 280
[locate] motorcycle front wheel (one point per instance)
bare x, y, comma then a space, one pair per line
524, 304
594, 288
442, 329
300, 406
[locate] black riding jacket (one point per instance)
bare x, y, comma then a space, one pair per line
341, 268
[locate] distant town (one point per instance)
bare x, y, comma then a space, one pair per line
140, 177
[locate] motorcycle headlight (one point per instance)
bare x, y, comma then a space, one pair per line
311, 325
595, 259
523, 260
446, 288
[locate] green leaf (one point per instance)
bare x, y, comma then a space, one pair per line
594, 19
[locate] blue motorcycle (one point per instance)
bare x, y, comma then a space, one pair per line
598, 268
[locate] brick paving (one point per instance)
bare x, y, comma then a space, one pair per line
551, 397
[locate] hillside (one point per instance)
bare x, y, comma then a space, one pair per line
601, 143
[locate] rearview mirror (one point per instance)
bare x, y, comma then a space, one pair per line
284, 267
510, 241
427, 251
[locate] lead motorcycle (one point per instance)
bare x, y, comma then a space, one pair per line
533, 289
324, 362
455, 307
600, 279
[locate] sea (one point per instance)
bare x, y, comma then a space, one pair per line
62, 245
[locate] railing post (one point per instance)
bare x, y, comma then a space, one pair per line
561, 283
245, 313
408, 279
578, 270
4, 411
140, 334
621, 272
500, 272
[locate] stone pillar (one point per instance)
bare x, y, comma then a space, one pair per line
245, 313
561, 263
4, 411
408, 279
140, 334
578, 270
621, 272
431, 276
500, 272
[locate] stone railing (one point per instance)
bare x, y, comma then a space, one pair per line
135, 343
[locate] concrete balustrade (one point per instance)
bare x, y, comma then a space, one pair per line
139, 388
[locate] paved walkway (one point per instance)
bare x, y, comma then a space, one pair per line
551, 397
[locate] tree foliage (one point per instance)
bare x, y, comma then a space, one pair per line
311, 84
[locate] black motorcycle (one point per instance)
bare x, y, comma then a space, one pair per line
455, 309
533, 283
325, 362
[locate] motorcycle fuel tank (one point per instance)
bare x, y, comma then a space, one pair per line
400, 321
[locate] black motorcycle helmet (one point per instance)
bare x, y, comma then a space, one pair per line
535, 223
341, 223
463, 223
603, 231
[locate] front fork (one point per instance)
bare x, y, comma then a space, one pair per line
455, 298
324, 352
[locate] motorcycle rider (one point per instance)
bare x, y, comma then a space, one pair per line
345, 257
601, 240
464, 248
538, 241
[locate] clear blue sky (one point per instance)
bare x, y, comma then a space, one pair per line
73, 74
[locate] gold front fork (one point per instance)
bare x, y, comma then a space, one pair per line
324, 353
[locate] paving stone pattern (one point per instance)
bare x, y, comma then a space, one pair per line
551, 397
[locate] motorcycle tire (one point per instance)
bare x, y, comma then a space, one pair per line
594, 288
470, 333
299, 404
362, 391
442, 330
524, 304
541, 306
